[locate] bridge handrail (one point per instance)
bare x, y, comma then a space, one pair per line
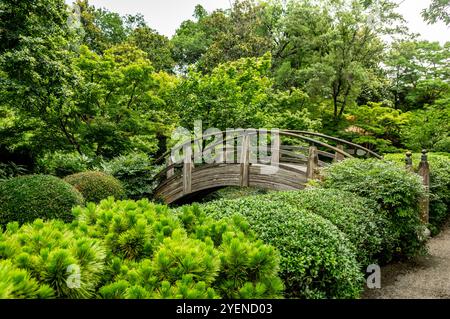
291, 133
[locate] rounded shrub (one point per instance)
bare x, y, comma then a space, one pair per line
353, 215
26, 198
395, 190
317, 259
96, 186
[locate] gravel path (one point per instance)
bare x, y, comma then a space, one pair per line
422, 278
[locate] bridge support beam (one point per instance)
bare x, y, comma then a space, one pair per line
187, 171
245, 161
313, 163
424, 171
338, 156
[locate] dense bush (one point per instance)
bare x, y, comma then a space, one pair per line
136, 173
317, 259
396, 191
233, 192
439, 185
62, 164
96, 186
27, 198
50, 253
129, 249
353, 215
154, 254
16, 283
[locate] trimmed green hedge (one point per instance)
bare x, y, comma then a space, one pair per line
26, 198
317, 259
96, 186
353, 215
439, 185
396, 191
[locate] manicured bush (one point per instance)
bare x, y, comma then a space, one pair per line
317, 259
136, 173
62, 164
27, 198
439, 185
396, 191
232, 192
353, 215
96, 186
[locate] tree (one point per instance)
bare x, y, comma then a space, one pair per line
245, 30
120, 104
38, 77
157, 47
103, 28
331, 50
419, 72
439, 10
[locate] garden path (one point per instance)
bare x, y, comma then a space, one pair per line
425, 277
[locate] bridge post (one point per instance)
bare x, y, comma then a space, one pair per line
313, 163
244, 160
338, 156
187, 171
424, 171
170, 171
408, 162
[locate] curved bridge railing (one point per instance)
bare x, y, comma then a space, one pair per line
274, 159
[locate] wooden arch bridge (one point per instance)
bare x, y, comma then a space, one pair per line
292, 158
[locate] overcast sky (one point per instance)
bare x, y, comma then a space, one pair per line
166, 15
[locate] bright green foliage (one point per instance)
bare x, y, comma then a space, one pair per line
129, 249
156, 46
62, 164
353, 215
155, 254
51, 254
96, 186
395, 190
439, 185
16, 283
231, 96
429, 128
317, 259
25, 198
136, 173
439, 10
375, 126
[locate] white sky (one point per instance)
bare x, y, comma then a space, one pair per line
166, 15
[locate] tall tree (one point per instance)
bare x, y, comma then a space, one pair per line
157, 47
439, 10
38, 76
